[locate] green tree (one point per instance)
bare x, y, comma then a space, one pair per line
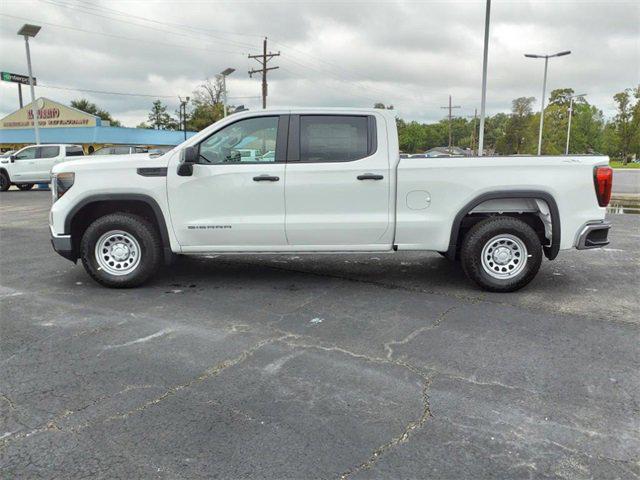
517, 132
624, 123
382, 106
92, 109
159, 119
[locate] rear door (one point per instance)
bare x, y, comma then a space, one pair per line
337, 182
46, 158
231, 201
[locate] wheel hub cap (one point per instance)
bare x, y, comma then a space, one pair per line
504, 256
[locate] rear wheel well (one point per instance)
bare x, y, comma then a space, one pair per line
94, 210
530, 218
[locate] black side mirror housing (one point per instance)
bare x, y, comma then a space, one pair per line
189, 158
12, 158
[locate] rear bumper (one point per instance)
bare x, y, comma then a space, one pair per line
593, 235
62, 245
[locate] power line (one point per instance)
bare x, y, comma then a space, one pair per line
181, 25
68, 27
263, 60
81, 9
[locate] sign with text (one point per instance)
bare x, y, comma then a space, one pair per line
16, 78
50, 114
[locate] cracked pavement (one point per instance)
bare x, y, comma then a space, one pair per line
325, 366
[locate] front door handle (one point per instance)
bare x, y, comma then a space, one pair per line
370, 176
265, 178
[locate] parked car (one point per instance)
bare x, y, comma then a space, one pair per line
120, 150
33, 164
335, 184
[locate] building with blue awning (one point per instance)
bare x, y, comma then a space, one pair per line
59, 123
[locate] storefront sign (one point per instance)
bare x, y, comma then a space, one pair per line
50, 114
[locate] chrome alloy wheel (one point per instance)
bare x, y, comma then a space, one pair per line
504, 256
118, 252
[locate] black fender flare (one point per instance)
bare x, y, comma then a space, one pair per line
137, 197
550, 251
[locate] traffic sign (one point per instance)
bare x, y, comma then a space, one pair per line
16, 78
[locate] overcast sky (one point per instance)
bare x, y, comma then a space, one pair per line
408, 53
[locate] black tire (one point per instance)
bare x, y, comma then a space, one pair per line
24, 186
509, 231
141, 230
5, 183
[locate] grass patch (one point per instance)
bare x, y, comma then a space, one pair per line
617, 164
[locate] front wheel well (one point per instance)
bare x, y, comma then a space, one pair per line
93, 210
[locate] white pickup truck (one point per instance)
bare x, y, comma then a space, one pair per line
336, 183
33, 164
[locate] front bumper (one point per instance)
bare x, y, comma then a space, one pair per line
63, 245
593, 235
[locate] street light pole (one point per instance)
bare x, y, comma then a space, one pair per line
27, 31
544, 89
566, 150
226, 72
484, 77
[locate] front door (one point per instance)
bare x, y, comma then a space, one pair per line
24, 165
234, 200
338, 182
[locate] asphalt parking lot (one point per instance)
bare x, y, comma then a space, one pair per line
355, 366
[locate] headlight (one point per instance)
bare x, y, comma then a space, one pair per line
60, 183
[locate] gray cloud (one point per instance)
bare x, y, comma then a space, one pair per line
411, 54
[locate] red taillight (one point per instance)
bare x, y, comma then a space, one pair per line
603, 181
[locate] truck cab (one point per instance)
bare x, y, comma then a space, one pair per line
33, 164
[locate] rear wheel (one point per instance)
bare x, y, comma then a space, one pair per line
24, 186
121, 250
501, 254
4, 182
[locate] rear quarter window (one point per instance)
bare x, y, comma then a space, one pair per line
74, 151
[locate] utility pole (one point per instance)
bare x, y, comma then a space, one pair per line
473, 132
183, 115
450, 107
570, 113
485, 60
263, 60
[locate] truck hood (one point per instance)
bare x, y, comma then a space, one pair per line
109, 162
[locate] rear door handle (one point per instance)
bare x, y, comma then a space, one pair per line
265, 178
370, 176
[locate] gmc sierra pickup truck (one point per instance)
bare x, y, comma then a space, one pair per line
324, 180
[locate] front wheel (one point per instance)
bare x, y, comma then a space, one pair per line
4, 182
501, 254
25, 186
121, 250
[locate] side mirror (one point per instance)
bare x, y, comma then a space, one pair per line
12, 158
189, 158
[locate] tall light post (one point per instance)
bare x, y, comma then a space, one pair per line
225, 73
27, 31
485, 59
544, 88
566, 150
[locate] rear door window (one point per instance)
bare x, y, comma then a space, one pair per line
49, 151
333, 138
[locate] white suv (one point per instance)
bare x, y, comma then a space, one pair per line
33, 164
